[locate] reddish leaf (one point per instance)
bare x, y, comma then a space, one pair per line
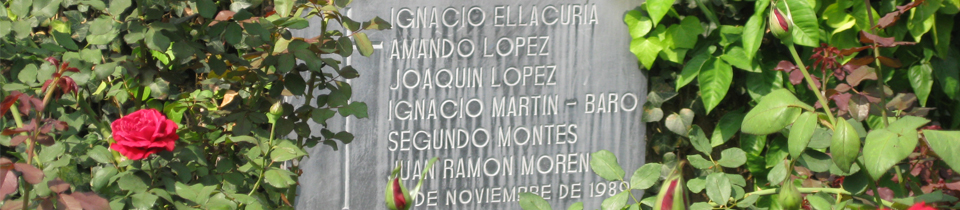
91, 200
891, 62
850, 51
920, 111
888, 19
8, 102
31, 174
53, 61
72, 69
46, 204
67, 85
860, 74
842, 88
69, 202
45, 139
8, 183
869, 38
12, 205
842, 100
224, 15
902, 101
796, 77
785, 66
16, 140
58, 186
859, 107
4, 163
45, 85
892, 17
28, 127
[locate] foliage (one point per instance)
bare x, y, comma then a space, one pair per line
862, 127
217, 69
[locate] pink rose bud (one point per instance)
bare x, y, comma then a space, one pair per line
673, 194
780, 23
397, 196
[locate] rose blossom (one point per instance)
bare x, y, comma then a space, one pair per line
142, 133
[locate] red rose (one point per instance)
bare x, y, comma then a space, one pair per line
142, 133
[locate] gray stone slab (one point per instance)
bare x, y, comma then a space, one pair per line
511, 96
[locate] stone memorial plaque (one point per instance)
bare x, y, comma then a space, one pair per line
511, 96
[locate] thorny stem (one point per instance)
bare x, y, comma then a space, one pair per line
806, 75
876, 60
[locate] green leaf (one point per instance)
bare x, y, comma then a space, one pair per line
801, 133
363, 43
729, 124
699, 140
718, 188
279, 178
143, 200
944, 143
701, 206
944, 28
697, 161
345, 46
753, 146
845, 145
604, 163
696, 185
286, 150
103, 30
100, 154
102, 178
294, 83
576, 206
156, 40
774, 112
638, 24
65, 41
730, 34
688, 30
921, 79
646, 50
45, 8
880, 152
615, 202
91, 56
922, 18
321, 115
693, 67
233, 34
947, 72
754, 29
530, 201
816, 161
714, 81
807, 30
645, 176
732, 157
856, 183
358, 109
738, 58
132, 182
283, 7
20, 8
778, 173
658, 8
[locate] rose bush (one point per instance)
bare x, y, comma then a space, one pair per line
176, 104
143, 133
